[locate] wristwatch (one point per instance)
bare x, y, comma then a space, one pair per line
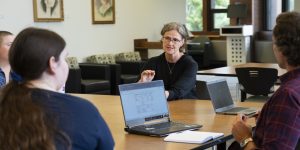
246, 141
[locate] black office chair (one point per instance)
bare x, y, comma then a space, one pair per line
200, 48
256, 81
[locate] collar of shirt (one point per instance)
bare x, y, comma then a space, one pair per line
290, 75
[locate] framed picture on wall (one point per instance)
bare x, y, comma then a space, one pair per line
48, 10
103, 11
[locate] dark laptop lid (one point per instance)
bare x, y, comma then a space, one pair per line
220, 95
143, 103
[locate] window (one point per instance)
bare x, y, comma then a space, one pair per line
273, 8
206, 15
288, 5
218, 11
194, 10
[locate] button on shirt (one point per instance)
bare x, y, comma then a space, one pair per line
278, 126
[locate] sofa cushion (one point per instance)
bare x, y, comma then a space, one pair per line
128, 56
101, 59
72, 62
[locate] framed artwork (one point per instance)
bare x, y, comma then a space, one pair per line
48, 10
103, 11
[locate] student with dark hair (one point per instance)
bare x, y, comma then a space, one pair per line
33, 114
176, 69
6, 39
278, 123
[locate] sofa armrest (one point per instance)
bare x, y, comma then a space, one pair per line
73, 83
115, 77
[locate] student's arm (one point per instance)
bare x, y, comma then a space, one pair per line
281, 121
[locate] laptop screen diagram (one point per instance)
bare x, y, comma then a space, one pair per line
146, 111
144, 104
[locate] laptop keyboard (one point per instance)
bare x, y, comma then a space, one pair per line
235, 109
243, 110
164, 125
163, 129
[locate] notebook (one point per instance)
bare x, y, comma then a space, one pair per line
221, 99
192, 137
146, 111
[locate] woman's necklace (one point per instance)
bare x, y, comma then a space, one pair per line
170, 69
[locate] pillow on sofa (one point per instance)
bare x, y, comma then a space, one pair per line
72, 62
101, 59
128, 56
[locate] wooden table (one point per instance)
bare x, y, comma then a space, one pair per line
189, 111
230, 70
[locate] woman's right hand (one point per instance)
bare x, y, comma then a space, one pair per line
147, 76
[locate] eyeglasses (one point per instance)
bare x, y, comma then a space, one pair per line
169, 39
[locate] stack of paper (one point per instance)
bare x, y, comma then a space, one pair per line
192, 136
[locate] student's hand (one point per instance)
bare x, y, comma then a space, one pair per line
240, 129
147, 76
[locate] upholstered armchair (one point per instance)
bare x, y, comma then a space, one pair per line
131, 66
115, 69
73, 83
87, 78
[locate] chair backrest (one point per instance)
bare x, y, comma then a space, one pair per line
72, 62
101, 59
128, 56
256, 81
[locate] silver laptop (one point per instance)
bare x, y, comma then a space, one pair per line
146, 112
221, 99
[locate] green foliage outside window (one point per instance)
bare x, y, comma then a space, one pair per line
194, 15
220, 4
194, 20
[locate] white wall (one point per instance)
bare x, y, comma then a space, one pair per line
297, 5
134, 19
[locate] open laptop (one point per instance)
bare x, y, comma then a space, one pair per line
221, 99
146, 112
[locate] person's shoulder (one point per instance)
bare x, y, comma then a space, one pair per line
77, 101
188, 59
64, 99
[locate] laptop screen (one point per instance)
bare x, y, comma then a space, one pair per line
219, 94
143, 102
